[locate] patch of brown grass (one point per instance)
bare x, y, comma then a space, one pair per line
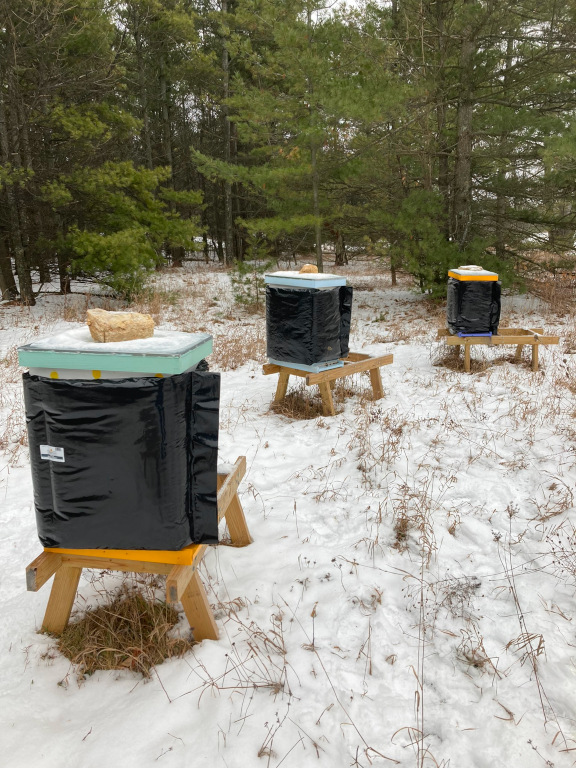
155, 301
131, 632
559, 291
403, 524
299, 404
455, 362
238, 344
306, 403
395, 332
74, 306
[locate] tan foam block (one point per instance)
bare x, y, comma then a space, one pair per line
308, 268
118, 326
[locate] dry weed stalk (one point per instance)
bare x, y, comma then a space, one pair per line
378, 438
562, 542
257, 661
558, 499
530, 645
369, 751
13, 435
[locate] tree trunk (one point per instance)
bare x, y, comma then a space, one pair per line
143, 99
166, 132
177, 254
443, 147
340, 251
32, 204
228, 215
501, 201
8, 287
63, 274
7, 153
463, 171
316, 209
314, 161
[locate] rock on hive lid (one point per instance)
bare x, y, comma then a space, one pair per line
472, 272
304, 280
166, 352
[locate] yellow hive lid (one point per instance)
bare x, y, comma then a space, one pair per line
472, 272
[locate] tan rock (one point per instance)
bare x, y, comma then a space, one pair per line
308, 268
118, 326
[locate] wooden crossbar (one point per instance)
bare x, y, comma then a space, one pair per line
355, 362
520, 337
183, 582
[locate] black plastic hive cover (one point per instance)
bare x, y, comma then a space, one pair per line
473, 306
307, 325
125, 464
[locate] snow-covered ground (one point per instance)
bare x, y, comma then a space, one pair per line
409, 595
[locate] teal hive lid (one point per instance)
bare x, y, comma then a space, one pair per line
167, 352
304, 280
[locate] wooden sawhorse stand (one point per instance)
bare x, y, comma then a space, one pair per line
518, 336
356, 362
181, 568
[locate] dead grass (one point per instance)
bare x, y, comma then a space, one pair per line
305, 403
558, 291
395, 332
452, 361
238, 344
155, 301
562, 542
403, 524
74, 307
131, 632
299, 404
13, 435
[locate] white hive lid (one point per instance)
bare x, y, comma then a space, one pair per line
471, 271
304, 279
164, 352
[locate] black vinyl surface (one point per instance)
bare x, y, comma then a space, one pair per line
473, 306
140, 461
308, 325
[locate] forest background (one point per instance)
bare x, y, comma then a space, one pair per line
145, 132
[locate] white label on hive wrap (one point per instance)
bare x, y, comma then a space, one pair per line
51, 453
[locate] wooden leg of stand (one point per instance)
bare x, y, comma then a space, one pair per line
518, 355
376, 380
42, 569
198, 611
61, 599
467, 358
236, 522
177, 582
282, 387
327, 402
535, 357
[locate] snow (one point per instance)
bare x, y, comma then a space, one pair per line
163, 343
413, 549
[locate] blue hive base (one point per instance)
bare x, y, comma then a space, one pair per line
316, 368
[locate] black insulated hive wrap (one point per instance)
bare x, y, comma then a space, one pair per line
135, 461
473, 306
307, 325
